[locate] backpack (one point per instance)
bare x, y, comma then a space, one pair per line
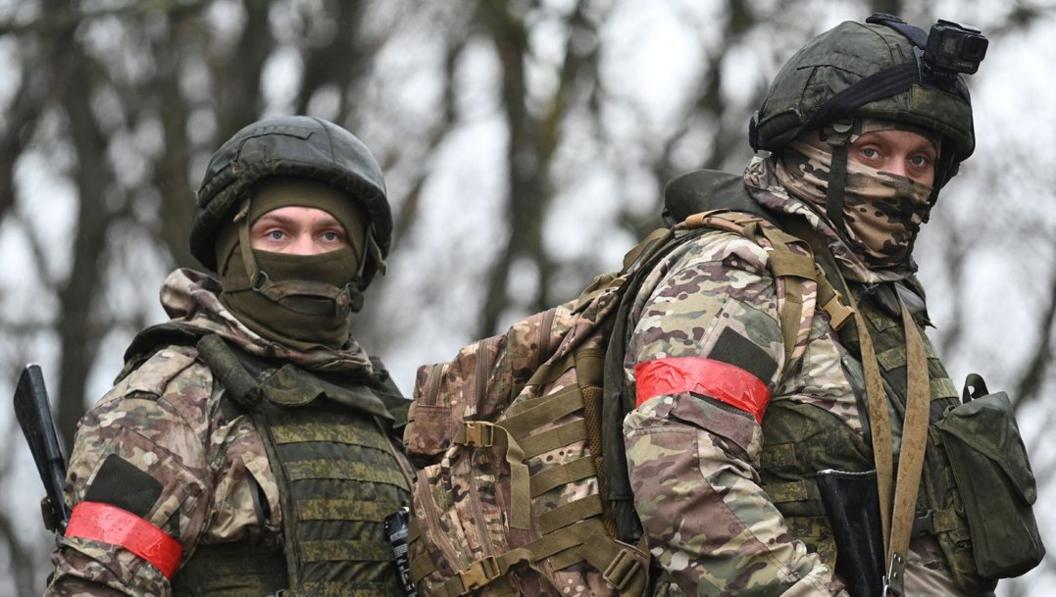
522, 487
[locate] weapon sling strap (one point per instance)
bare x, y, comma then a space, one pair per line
898, 496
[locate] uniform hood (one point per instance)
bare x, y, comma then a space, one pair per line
762, 183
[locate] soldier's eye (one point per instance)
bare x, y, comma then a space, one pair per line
331, 236
920, 161
869, 153
275, 234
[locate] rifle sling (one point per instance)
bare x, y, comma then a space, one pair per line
898, 497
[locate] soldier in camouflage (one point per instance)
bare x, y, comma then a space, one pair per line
247, 447
730, 427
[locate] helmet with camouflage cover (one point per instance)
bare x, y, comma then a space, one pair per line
883, 69
297, 146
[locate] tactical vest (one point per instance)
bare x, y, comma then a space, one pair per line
338, 478
800, 439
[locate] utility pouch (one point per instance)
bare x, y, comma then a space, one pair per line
994, 480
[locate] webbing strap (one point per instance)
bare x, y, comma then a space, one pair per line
345, 549
791, 316
555, 438
793, 268
579, 469
837, 183
484, 434
344, 469
483, 572
295, 433
421, 567
551, 370
914, 437
829, 299
879, 421
569, 557
565, 401
569, 513
784, 263
616, 563
342, 509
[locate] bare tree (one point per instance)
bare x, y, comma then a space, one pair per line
129, 126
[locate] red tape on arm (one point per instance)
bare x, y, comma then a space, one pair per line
101, 522
707, 377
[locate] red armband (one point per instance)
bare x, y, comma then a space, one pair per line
105, 523
707, 377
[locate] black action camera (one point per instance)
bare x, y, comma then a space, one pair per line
954, 48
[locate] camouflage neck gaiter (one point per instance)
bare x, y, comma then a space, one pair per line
882, 212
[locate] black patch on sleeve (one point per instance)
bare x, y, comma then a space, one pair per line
736, 350
121, 484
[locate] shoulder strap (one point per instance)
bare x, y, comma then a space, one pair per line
791, 260
898, 496
615, 401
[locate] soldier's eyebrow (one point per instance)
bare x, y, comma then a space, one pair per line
326, 220
272, 219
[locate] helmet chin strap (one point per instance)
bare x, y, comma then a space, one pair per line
839, 139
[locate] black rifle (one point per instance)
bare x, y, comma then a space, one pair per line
853, 508
34, 417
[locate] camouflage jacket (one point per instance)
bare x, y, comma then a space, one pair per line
165, 417
694, 466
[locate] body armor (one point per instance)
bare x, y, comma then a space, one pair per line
338, 475
800, 439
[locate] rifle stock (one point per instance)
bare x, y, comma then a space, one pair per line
34, 417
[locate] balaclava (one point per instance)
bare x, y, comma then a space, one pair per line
882, 212
300, 301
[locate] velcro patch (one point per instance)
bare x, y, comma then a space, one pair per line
736, 350
122, 484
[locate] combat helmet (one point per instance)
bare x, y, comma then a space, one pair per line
300, 146
884, 69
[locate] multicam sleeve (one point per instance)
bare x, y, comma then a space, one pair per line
138, 483
703, 358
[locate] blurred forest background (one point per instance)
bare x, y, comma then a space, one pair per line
525, 144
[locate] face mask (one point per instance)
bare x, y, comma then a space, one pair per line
301, 301
882, 212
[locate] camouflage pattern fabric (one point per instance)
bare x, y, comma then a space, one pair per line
166, 418
467, 510
882, 212
694, 462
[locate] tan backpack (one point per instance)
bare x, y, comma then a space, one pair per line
511, 497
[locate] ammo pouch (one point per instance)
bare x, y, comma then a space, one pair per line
994, 480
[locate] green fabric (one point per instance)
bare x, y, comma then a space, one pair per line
307, 309
996, 484
333, 520
232, 570
338, 478
939, 491
837, 59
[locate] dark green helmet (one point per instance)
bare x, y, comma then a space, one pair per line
882, 69
300, 146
